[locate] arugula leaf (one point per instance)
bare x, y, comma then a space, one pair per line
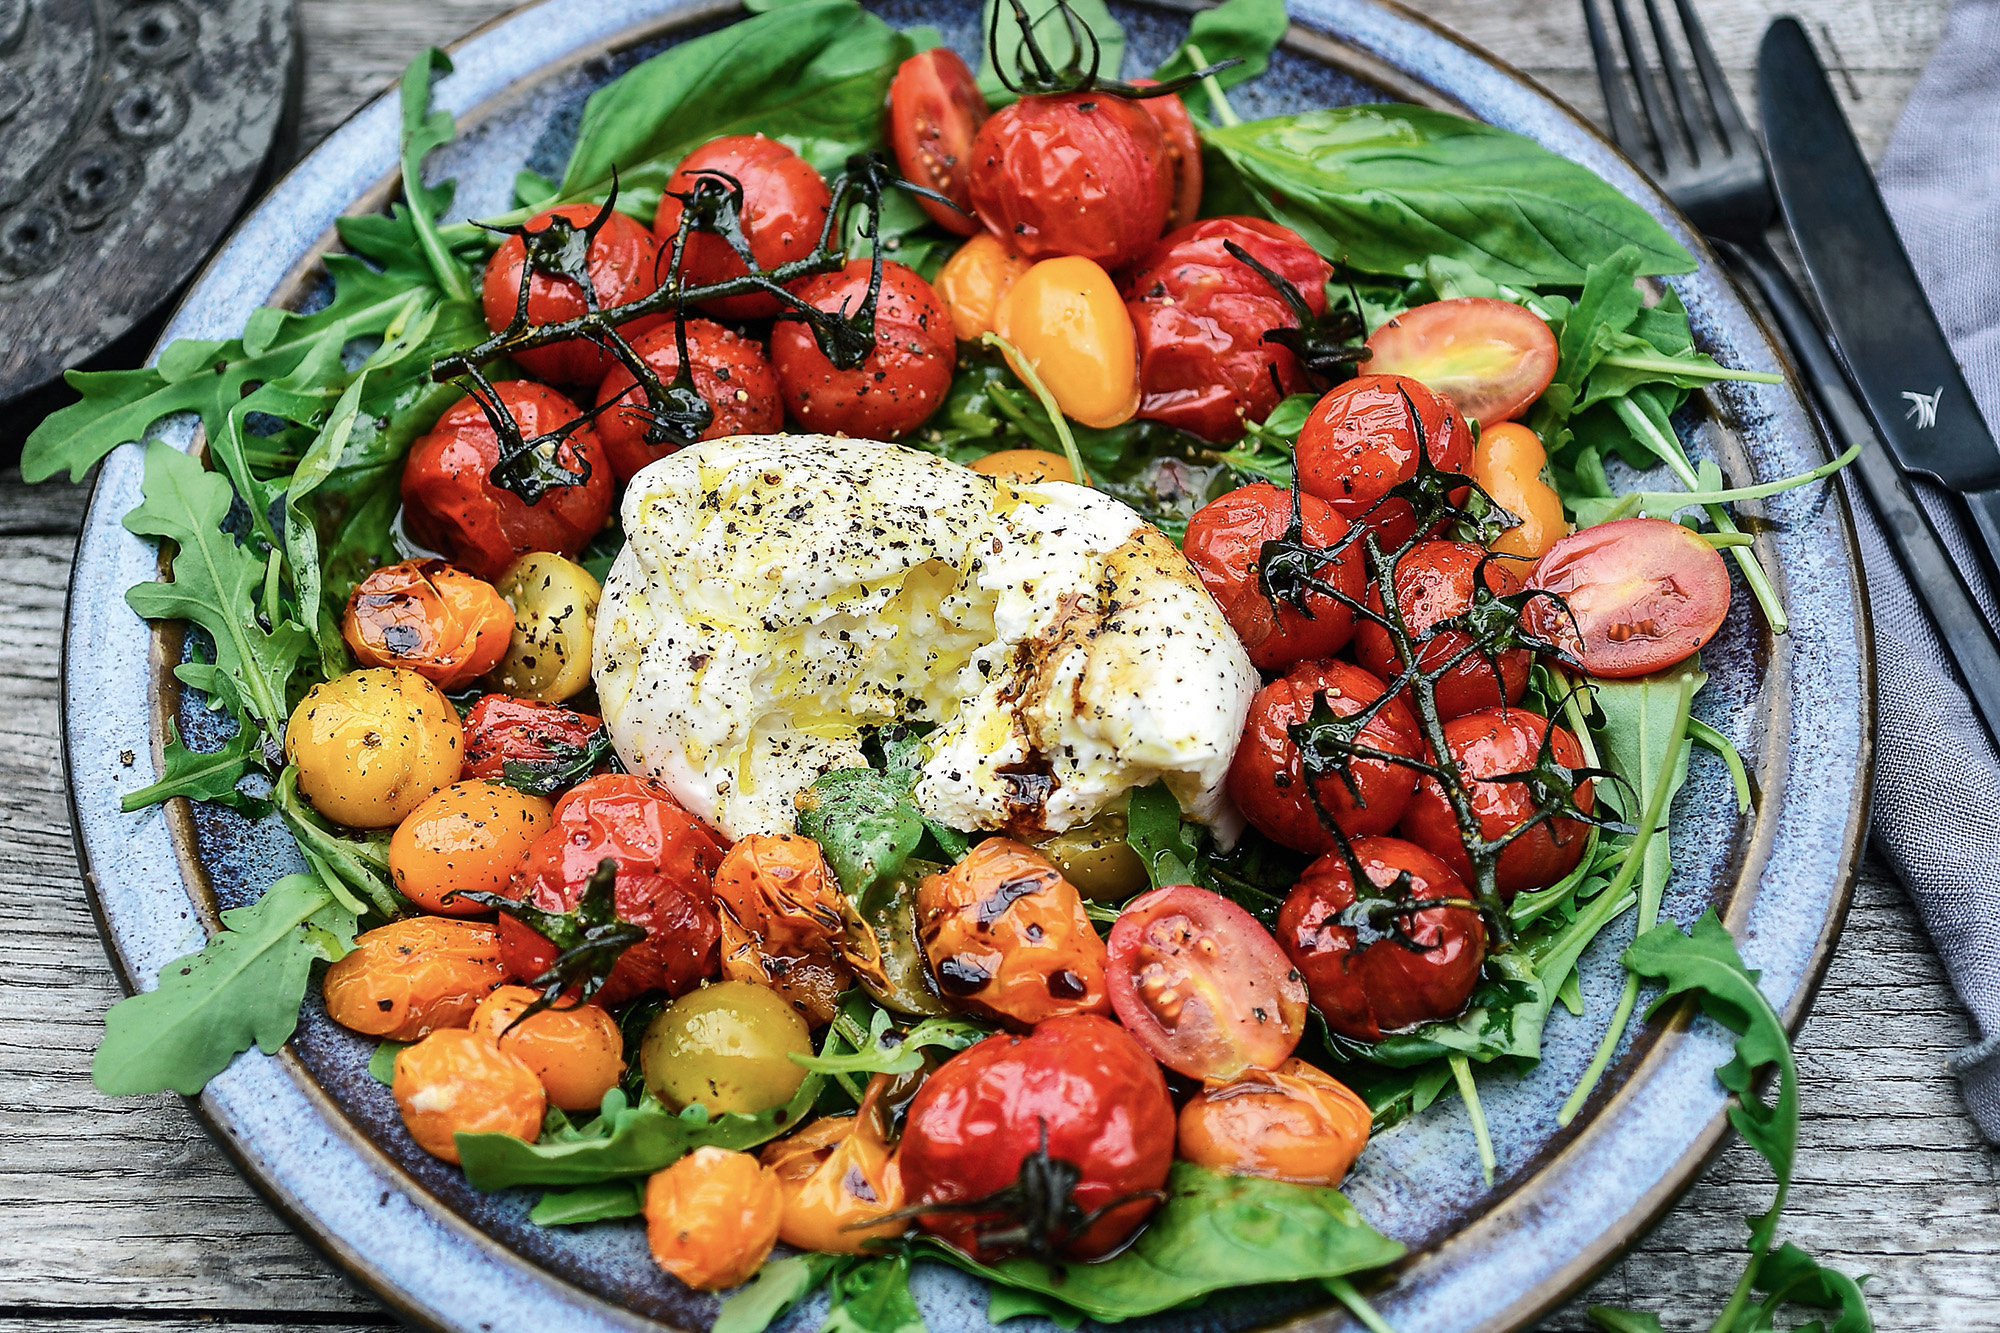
1154, 830
779, 1285
200, 775
302, 538
866, 824
887, 1051
1212, 1232
1052, 35
423, 130
872, 1296
1591, 511
590, 1203
346, 866
382, 1061
1383, 188
1246, 30
242, 989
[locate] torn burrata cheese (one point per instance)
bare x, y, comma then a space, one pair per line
779, 594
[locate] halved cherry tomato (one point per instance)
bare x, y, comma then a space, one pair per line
730, 373
1183, 153
622, 269
1202, 985
1491, 358
1641, 594
975, 280
423, 615
935, 110
903, 380
1007, 936
1291, 1122
1225, 544
1361, 439
1065, 319
1507, 464
785, 204
543, 736
1434, 583
1081, 174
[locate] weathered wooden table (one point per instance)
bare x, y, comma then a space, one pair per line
124, 1216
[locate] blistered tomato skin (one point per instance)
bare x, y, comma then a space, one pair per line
1434, 582
1638, 595
1007, 936
1291, 1123
1484, 745
935, 110
372, 745
785, 921
1082, 1082
500, 728
1267, 778
1064, 318
728, 1046
712, 1218
975, 279
575, 1050
1225, 544
731, 374
466, 838
423, 615
785, 204
836, 1175
1081, 174
413, 977
458, 1082
623, 268
1183, 154
901, 382
450, 503
1507, 464
1365, 991
1361, 439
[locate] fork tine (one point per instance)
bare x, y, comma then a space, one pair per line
1699, 140
1625, 131
1721, 101
1673, 155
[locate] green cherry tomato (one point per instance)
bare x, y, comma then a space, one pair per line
728, 1046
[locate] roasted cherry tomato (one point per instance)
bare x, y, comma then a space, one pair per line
1639, 594
468, 837
1225, 543
371, 746
1073, 174
458, 1082
547, 738
623, 265
712, 1218
1361, 439
784, 209
935, 110
974, 281
1291, 1123
1267, 778
1491, 358
424, 616
728, 1046
1507, 464
1485, 745
836, 1175
1202, 985
1007, 936
1433, 584
903, 380
785, 922
576, 1050
1424, 969
730, 373
553, 601
1064, 318
1200, 315
666, 872
1183, 159
450, 503
1077, 1090
1024, 467
413, 977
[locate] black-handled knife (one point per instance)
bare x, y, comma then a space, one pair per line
1882, 324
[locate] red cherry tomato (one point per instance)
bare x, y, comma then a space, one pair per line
1641, 594
666, 883
1183, 153
450, 504
1202, 985
1200, 315
1267, 778
935, 110
1080, 1080
1074, 174
1491, 358
1366, 990
500, 728
730, 373
1225, 543
785, 204
1434, 583
1485, 745
1361, 439
902, 381
622, 269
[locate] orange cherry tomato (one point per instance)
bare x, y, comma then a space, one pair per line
424, 616
784, 920
836, 1174
1491, 358
622, 265
1292, 1123
975, 279
1064, 318
1007, 935
576, 1051
1507, 464
413, 977
935, 109
1024, 467
712, 1217
469, 836
458, 1082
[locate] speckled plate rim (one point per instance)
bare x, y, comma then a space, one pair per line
1551, 1232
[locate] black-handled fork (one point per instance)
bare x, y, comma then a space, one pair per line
1697, 147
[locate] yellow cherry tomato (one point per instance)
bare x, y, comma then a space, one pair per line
468, 836
458, 1082
1292, 1123
576, 1050
414, 976
372, 745
1024, 467
1507, 464
555, 607
712, 1217
973, 281
1065, 318
728, 1046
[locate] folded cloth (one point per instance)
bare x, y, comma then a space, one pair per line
1937, 777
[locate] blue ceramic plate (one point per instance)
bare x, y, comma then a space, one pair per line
322, 1138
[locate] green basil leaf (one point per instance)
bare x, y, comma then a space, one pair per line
1154, 829
866, 824
1246, 30
1004, 1303
1614, 1320
590, 1203
382, 1062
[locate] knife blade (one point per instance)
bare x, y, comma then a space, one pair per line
1882, 324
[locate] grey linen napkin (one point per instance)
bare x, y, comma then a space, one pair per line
1937, 779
